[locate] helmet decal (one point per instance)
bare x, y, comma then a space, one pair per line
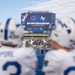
65, 26
6, 29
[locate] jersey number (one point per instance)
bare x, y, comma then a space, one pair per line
16, 64
69, 70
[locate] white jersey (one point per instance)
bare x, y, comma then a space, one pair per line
17, 61
59, 62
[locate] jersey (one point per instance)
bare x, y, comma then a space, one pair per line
59, 62
17, 61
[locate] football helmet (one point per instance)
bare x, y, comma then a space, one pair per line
11, 32
64, 33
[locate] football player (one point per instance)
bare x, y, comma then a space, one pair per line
14, 59
60, 61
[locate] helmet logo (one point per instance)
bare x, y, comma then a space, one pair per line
65, 26
6, 29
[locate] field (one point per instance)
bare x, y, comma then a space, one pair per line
40, 63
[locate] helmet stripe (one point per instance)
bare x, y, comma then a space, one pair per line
6, 29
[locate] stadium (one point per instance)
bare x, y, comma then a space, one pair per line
37, 37
36, 25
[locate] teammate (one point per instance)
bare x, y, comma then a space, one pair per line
60, 61
14, 59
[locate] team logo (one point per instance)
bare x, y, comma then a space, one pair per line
33, 18
42, 18
24, 16
52, 26
65, 26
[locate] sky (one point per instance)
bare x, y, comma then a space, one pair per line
14, 8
